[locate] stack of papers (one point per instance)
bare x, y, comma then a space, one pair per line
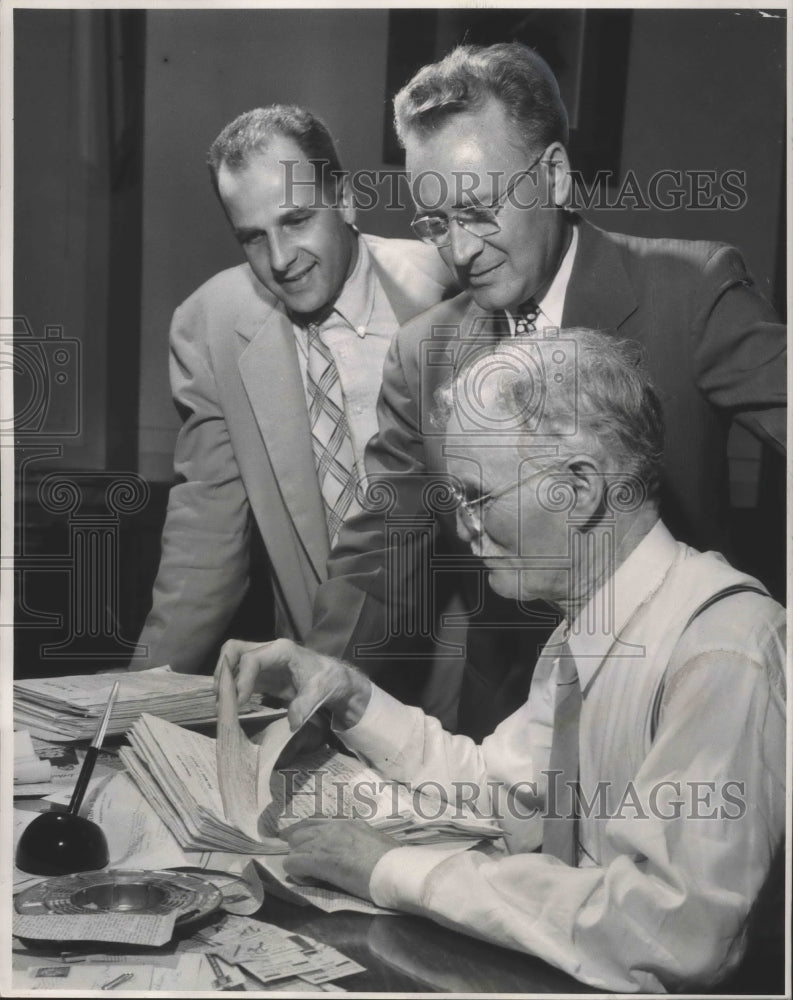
228, 795
327, 783
176, 772
69, 708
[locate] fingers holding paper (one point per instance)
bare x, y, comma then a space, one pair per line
243, 660
304, 679
343, 852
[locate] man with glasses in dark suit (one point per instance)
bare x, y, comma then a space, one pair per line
485, 134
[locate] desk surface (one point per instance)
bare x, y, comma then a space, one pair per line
401, 954
408, 954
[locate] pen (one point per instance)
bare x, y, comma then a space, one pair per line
124, 977
90, 758
221, 980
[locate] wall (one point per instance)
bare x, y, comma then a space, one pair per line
706, 91
61, 229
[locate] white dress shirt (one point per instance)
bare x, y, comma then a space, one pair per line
550, 308
358, 333
684, 728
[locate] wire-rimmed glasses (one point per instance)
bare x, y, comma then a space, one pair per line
472, 509
479, 220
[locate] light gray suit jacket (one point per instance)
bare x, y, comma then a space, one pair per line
244, 451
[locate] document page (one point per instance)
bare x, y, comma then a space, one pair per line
227, 794
244, 769
151, 929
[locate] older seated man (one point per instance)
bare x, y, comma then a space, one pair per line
641, 787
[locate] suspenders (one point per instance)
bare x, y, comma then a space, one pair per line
737, 588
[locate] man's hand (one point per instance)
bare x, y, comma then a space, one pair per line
340, 851
299, 676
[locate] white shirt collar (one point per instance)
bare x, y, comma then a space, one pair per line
356, 300
633, 583
551, 306
355, 303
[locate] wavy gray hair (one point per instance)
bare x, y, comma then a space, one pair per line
462, 81
597, 394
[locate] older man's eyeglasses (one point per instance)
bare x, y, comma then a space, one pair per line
479, 220
473, 509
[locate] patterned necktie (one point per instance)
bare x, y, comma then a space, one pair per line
560, 827
526, 318
330, 435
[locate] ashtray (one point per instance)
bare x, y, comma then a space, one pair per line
123, 891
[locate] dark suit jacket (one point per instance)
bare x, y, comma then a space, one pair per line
715, 351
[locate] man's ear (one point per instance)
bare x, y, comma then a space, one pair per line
560, 182
346, 201
588, 483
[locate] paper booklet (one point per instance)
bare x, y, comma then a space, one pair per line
227, 794
68, 708
29, 769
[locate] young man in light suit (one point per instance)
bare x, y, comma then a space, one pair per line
244, 349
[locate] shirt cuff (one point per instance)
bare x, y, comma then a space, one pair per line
371, 734
399, 877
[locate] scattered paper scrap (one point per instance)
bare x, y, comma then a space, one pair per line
151, 929
270, 953
186, 972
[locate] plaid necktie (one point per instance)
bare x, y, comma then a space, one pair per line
560, 829
330, 435
526, 318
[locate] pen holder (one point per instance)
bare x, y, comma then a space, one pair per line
61, 843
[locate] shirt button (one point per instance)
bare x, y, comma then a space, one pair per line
360, 329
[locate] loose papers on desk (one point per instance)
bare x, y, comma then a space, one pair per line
32, 776
227, 794
58, 764
190, 971
68, 708
233, 953
138, 838
148, 929
270, 953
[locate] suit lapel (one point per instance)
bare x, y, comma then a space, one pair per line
399, 298
271, 376
480, 328
599, 295
410, 290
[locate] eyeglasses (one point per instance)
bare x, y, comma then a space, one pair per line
472, 511
480, 221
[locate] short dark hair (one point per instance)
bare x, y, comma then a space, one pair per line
252, 132
602, 387
463, 80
